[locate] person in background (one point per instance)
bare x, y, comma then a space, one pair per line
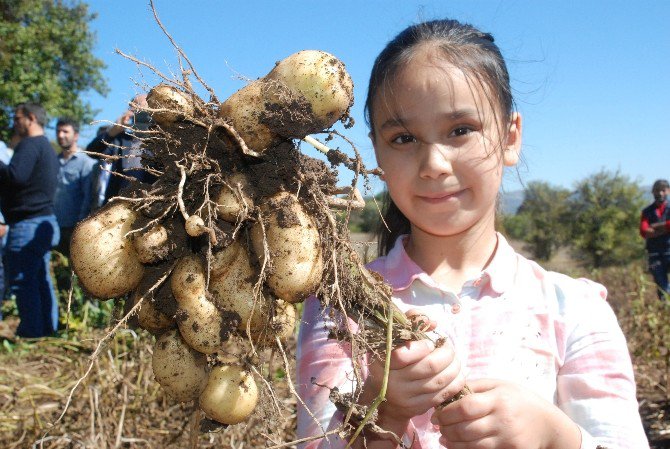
544, 358
4, 158
121, 139
655, 229
100, 177
72, 202
27, 188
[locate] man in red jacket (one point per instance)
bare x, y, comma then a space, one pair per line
655, 229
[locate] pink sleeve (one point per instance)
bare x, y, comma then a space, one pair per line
321, 362
596, 386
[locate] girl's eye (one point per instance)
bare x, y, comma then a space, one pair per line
461, 131
403, 138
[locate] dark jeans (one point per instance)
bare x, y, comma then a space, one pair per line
659, 264
27, 257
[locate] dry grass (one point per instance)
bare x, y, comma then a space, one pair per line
118, 406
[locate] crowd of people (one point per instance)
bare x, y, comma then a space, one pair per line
45, 193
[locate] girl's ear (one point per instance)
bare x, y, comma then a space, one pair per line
513, 147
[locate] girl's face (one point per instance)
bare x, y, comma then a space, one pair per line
436, 138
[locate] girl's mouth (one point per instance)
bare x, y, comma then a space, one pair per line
442, 197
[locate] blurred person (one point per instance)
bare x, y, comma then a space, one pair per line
72, 202
27, 188
4, 157
100, 177
655, 229
121, 139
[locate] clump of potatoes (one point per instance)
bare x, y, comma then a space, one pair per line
250, 277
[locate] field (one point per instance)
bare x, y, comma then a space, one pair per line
120, 406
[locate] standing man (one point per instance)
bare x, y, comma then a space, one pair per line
123, 139
655, 229
27, 187
72, 202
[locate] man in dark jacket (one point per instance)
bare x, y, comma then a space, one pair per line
121, 140
27, 186
655, 229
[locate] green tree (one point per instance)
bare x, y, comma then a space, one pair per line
46, 57
543, 214
604, 211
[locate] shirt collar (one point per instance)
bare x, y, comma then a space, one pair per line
74, 155
399, 270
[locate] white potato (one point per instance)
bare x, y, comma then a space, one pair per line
281, 324
200, 322
230, 203
304, 93
151, 246
321, 79
173, 103
180, 370
149, 317
233, 289
103, 257
294, 246
230, 396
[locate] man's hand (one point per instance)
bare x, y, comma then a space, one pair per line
125, 120
3, 230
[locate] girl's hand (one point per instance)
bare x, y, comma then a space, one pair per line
503, 415
421, 377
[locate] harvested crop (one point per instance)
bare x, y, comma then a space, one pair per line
239, 226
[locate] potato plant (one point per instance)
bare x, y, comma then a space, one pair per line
238, 227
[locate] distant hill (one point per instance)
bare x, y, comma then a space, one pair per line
510, 201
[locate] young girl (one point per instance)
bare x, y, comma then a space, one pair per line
542, 353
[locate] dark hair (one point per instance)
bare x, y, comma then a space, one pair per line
67, 121
660, 184
34, 109
463, 46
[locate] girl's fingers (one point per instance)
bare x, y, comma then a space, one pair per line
483, 385
468, 431
421, 321
432, 364
470, 407
410, 353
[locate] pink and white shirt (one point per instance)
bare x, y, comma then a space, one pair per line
555, 335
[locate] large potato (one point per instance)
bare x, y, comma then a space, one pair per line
294, 245
200, 322
305, 93
232, 288
321, 79
103, 257
171, 104
230, 396
180, 370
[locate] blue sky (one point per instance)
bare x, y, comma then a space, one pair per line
591, 78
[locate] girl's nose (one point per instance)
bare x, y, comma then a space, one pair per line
435, 161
